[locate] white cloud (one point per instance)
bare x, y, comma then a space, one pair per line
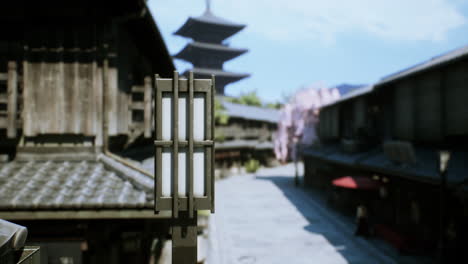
323, 20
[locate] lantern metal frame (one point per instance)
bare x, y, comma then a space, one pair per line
189, 87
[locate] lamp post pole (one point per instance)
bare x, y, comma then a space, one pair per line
444, 157
296, 168
184, 238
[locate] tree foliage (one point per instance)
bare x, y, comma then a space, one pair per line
250, 98
276, 105
221, 117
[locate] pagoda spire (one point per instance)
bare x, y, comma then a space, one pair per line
208, 5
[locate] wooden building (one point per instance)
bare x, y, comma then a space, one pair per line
392, 132
249, 134
76, 82
81, 69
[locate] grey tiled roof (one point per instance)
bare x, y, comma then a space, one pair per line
251, 112
242, 143
49, 184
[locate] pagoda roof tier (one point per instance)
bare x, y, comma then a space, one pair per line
223, 78
195, 50
218, 73
208, 28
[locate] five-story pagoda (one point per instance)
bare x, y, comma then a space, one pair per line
207, 52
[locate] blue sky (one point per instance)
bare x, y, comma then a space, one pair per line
298, 43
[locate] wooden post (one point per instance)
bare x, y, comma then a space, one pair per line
99, 105
27, 100
184, 238
12, 99
105, 90
175, 151
147, 107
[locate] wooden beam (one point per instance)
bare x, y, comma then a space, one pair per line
98, 99
12, 99
138, 89
130, 112
27, 101
4, 122
84, 214
138, 106
122, 117
60, 99
105, 89
112, 96
88, 86
147, 107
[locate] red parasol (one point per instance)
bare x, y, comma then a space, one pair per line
357, 182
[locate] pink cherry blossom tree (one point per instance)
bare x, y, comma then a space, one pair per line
299, 119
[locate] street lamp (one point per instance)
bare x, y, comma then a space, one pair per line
184, 163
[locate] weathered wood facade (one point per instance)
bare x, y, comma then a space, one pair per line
78, 68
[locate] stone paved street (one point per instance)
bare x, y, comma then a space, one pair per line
264, 218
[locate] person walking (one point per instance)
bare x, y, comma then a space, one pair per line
362, 221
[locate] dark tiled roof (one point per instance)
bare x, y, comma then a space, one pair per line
223, 78
345, 88
219, 73
425, 168
209, 17
423, 66
431, 63
353, 94
251, 112
49, 184
196, 49
216, 47
195, 27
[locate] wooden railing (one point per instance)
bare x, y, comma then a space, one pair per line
237, 132
9, 100
143, 125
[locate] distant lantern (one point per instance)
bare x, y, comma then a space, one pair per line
184, 163
444, 158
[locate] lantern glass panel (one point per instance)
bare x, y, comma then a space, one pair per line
166, 180
199, 172
182, 173
199, 117
182, 117
167, 120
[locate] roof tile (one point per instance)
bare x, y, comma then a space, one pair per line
70, 185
